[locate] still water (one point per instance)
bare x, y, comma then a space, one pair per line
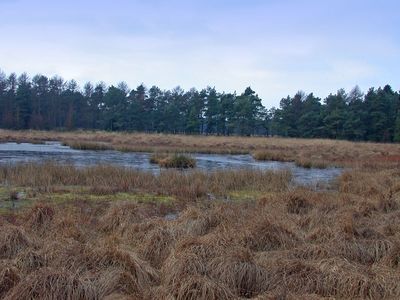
24, 152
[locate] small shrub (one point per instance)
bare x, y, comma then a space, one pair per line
178, 161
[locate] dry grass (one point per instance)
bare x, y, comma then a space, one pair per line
263, 235
158, 244
13, 239
289, 243
108, 179
305, 152
87, 145
40, 216
30, 260
196, 287
9, 277
238, 270
177, 161
274, 155
52, 284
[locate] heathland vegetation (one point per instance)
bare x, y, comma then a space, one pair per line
52, 103
317, 152
114, 233
107, 232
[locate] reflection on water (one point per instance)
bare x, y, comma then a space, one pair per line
25, 152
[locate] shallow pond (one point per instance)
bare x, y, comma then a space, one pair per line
54, 151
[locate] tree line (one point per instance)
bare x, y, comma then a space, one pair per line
53, 103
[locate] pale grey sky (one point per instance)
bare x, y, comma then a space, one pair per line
276, 47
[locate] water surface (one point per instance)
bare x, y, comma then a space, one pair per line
55, 151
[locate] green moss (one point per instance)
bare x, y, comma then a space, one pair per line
244, 195
9, 205
6, 205
61, 197
4, 193
131, 197
84, 194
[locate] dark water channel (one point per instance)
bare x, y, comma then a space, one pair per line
24, 152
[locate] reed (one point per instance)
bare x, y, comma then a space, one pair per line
87, 145
107, 179
319, 152
285, 243
296, 243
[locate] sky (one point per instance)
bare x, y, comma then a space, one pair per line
276, 47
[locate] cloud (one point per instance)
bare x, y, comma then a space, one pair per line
277, 47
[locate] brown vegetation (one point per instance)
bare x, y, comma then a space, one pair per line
287, 243
107, 179
305, 152
177, 161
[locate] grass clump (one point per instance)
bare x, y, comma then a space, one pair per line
273, 242
9, 277
157, 245
177, 161
30, 260
13, 239
293, 243
49, 284
83, 145
238, 270
297, 203
40, 215
198, 287
263, 235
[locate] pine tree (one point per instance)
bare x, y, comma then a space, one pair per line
397, 128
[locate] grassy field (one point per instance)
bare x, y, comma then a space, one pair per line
107, 232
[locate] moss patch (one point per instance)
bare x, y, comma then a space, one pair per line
71, 194
244, 195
